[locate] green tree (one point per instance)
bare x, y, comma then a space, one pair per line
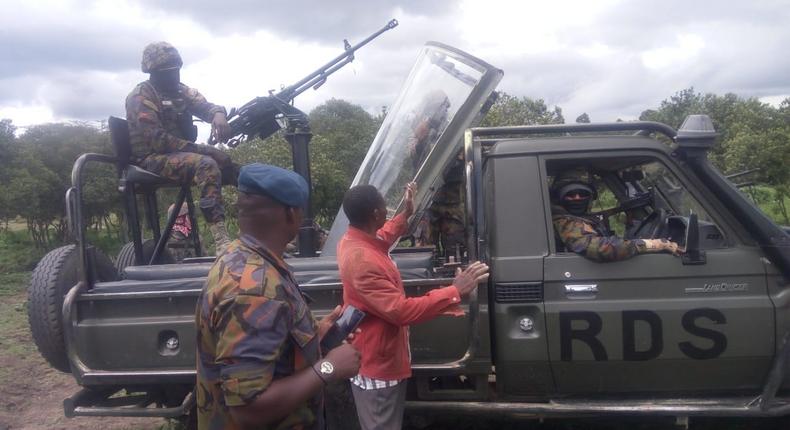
512, 110
752, 135
7, 161
342, 133
674, 110
583, 119
46, 154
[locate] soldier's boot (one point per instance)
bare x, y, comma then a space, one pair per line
220, 235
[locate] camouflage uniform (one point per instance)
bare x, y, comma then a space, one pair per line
253, 327
158, 141
447, 212
589, 238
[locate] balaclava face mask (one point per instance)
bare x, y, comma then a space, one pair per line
577, 207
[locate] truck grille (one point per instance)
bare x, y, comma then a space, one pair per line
518, 292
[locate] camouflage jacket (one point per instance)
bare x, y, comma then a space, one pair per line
253, 327
586, 237
153, 118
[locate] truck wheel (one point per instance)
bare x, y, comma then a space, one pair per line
126, 256
340, 410
52, 278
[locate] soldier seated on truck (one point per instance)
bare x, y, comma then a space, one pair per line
572, 192
159, 112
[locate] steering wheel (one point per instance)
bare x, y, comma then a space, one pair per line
652, 227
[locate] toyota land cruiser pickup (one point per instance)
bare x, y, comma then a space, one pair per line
551, 333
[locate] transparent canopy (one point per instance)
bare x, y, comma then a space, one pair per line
441, 97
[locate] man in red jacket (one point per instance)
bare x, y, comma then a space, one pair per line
372, 283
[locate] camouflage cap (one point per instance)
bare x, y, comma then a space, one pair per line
160, 56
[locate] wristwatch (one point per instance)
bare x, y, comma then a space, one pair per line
325, 370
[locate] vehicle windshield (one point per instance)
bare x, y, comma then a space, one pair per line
437, 87
441, 82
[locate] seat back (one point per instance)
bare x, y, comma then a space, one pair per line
119, 136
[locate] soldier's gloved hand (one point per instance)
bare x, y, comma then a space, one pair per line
659, 245
345, 360
220, 129
673, 248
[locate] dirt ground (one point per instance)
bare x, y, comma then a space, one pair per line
31, 392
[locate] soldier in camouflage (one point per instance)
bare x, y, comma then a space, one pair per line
259, 362
159, 113
447, 212
572, 192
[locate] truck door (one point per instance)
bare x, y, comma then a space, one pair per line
517, 245
650, 323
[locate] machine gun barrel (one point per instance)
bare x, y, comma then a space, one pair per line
320, 75
261, 115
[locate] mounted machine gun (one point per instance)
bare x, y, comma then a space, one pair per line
264, 116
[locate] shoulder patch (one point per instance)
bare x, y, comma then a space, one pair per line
151, 105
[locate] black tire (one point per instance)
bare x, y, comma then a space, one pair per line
52, 278
126, 256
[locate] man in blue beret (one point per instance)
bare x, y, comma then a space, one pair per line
259, 361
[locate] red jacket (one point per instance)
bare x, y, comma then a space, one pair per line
372, 283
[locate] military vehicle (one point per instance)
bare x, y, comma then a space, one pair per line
551, 333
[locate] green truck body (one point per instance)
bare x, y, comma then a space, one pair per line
551, 332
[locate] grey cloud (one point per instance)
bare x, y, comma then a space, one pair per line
645, 25
742, 53
36, 44
72, 63
90, 96
301, 19
72, 95
83, 69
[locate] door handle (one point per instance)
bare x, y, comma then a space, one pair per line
581, 290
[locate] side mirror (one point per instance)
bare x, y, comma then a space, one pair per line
693, 255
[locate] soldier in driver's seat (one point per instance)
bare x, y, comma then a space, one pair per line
572, 192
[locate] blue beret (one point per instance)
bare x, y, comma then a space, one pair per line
282, 185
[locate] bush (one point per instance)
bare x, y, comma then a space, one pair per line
17, 252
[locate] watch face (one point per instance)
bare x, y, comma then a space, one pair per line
327, 368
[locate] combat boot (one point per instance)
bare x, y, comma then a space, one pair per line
220, 235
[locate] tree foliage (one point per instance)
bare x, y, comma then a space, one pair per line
342, 133
37, 173
752, 135
35, 167
512, 110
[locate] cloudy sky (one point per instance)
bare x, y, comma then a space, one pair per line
77, 60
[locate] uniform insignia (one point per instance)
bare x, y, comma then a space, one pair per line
151, 105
